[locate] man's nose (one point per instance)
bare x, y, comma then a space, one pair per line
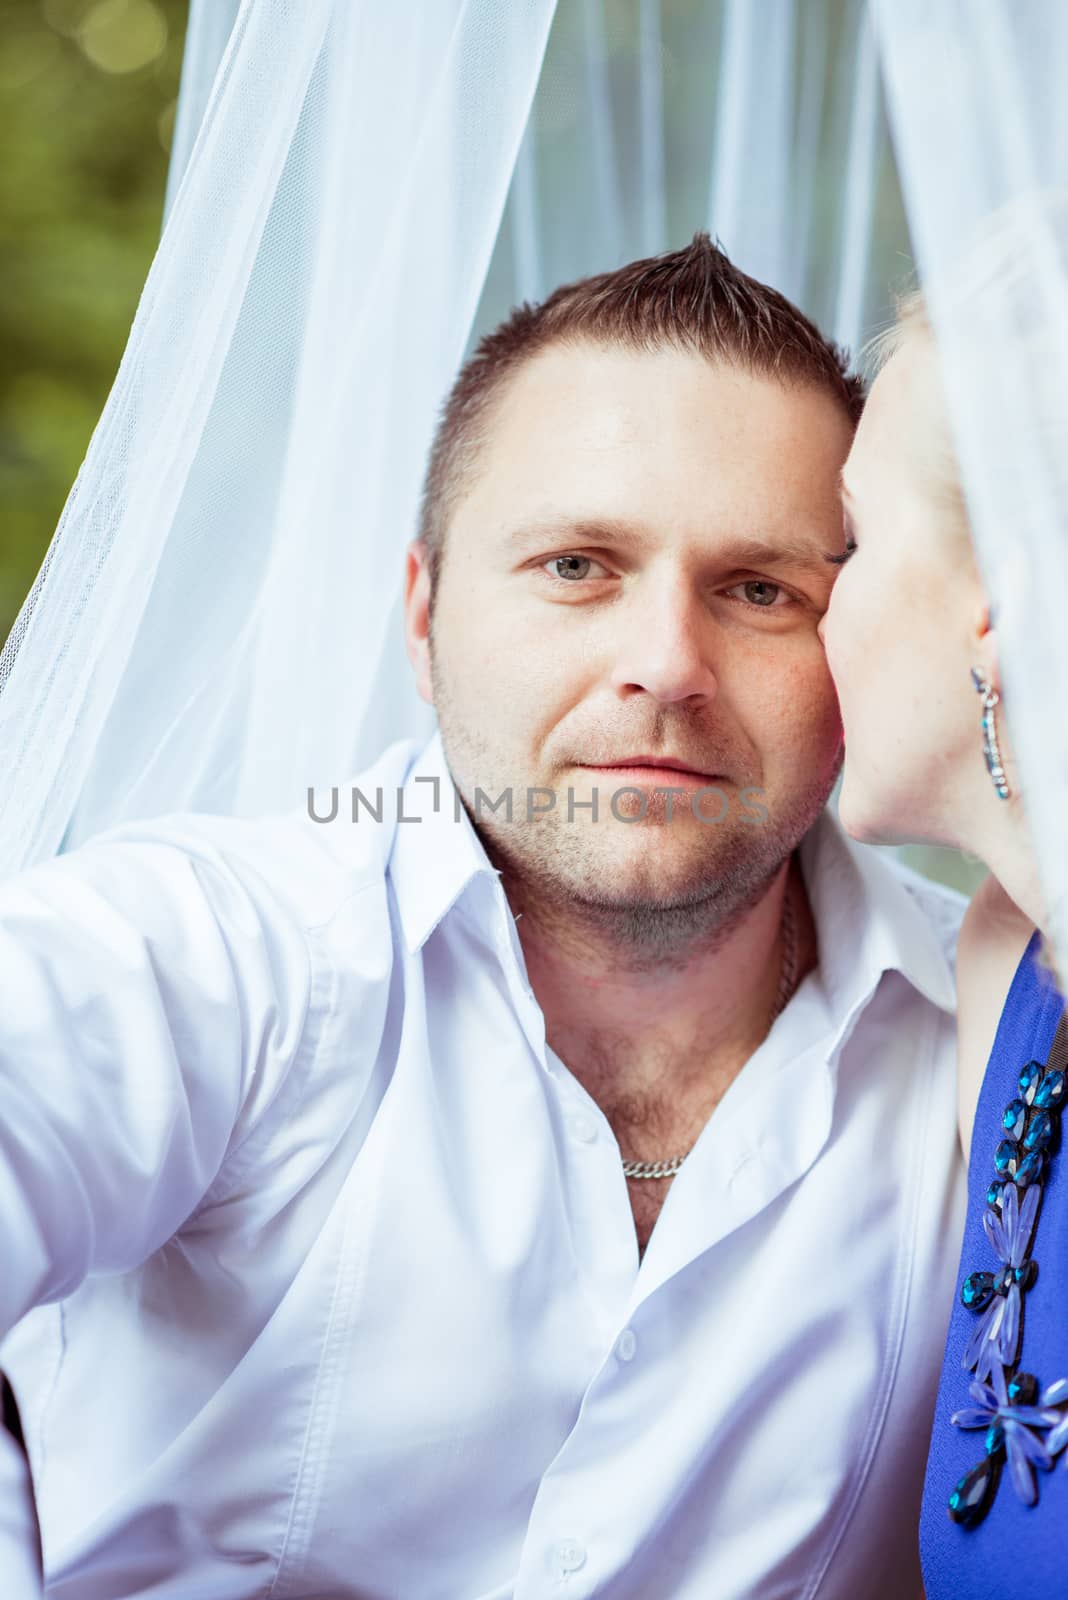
665, 643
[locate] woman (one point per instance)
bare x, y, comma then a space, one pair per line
912, 645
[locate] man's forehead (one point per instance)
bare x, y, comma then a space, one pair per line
619, 374
590, 434
584, 399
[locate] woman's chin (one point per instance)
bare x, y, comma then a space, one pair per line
872, 816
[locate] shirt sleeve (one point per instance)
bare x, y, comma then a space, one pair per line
148, 996
20, 1558
20, 1537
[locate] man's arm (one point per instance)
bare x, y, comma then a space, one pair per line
150, 1003
20, 1560
20, 1538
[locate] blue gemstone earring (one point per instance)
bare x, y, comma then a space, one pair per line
990, 733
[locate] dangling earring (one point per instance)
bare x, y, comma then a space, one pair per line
990, 733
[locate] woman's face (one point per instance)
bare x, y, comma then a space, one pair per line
904, 625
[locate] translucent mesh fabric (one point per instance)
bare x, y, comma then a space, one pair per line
762, 122
224, 585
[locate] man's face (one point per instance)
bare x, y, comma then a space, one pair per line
636, 569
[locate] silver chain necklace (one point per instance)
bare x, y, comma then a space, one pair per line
787, 980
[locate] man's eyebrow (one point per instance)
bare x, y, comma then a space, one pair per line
734, 554
584, 530
784, 552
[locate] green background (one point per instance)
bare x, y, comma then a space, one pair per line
85, 137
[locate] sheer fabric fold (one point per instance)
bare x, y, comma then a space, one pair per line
209, 627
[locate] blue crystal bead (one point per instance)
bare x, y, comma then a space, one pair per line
1014, 1118
1030, 1078
994, 1193
1022, 1389
1004, 1280
967, 1503
1039, 1131
1026, 1275
994, 1438
1006, 1157
1030, 1169
977, 1290
1051, 1091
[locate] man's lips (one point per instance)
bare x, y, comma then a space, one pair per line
647, 769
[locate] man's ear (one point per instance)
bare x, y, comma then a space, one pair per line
417, 617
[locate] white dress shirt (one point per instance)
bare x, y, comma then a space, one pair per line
346, 1297
20, 1565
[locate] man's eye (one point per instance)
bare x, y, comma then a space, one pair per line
571, 568
758, 592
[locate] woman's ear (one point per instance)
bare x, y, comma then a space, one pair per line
985, 644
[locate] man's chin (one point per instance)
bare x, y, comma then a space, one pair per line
650, 864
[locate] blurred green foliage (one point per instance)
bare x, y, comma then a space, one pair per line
87, 97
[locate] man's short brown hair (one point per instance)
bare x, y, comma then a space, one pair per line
692, 299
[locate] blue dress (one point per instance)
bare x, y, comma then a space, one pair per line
1011, 1547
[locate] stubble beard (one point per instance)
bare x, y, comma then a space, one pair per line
639, 907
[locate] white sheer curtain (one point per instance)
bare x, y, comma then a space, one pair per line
210, 623
218, 622
760, 120
211, 22
980, 120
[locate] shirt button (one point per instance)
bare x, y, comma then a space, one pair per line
567, 1555
583, 1128
626, 1345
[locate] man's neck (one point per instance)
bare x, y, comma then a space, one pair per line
665, 1039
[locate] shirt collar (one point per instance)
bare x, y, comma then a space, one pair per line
435, 858
869, 918
866, 903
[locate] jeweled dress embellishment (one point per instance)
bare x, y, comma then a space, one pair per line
1024, 1427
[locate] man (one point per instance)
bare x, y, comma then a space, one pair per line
315, 1126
